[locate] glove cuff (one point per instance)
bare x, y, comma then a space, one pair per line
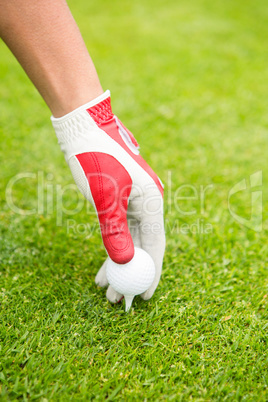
77, 129
87, 105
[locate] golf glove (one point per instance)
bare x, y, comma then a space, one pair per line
127, 195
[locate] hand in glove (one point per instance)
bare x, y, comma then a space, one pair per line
127, 195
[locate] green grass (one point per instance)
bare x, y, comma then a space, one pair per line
190, 79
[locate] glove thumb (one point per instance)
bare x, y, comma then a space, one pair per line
110, 185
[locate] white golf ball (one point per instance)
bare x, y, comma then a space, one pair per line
132, 278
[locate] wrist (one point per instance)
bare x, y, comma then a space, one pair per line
72, 113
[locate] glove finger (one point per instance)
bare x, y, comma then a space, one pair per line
134, 229
113, 296
152, 234
101, 279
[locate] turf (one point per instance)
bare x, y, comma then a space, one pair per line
190, 80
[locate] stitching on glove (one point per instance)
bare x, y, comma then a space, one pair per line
101, 112
98, 169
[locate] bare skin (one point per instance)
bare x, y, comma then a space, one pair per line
47, 43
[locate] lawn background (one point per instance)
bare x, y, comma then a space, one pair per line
190, 80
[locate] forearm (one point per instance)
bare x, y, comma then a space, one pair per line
47, 43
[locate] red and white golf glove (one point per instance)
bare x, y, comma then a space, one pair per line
127, 195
